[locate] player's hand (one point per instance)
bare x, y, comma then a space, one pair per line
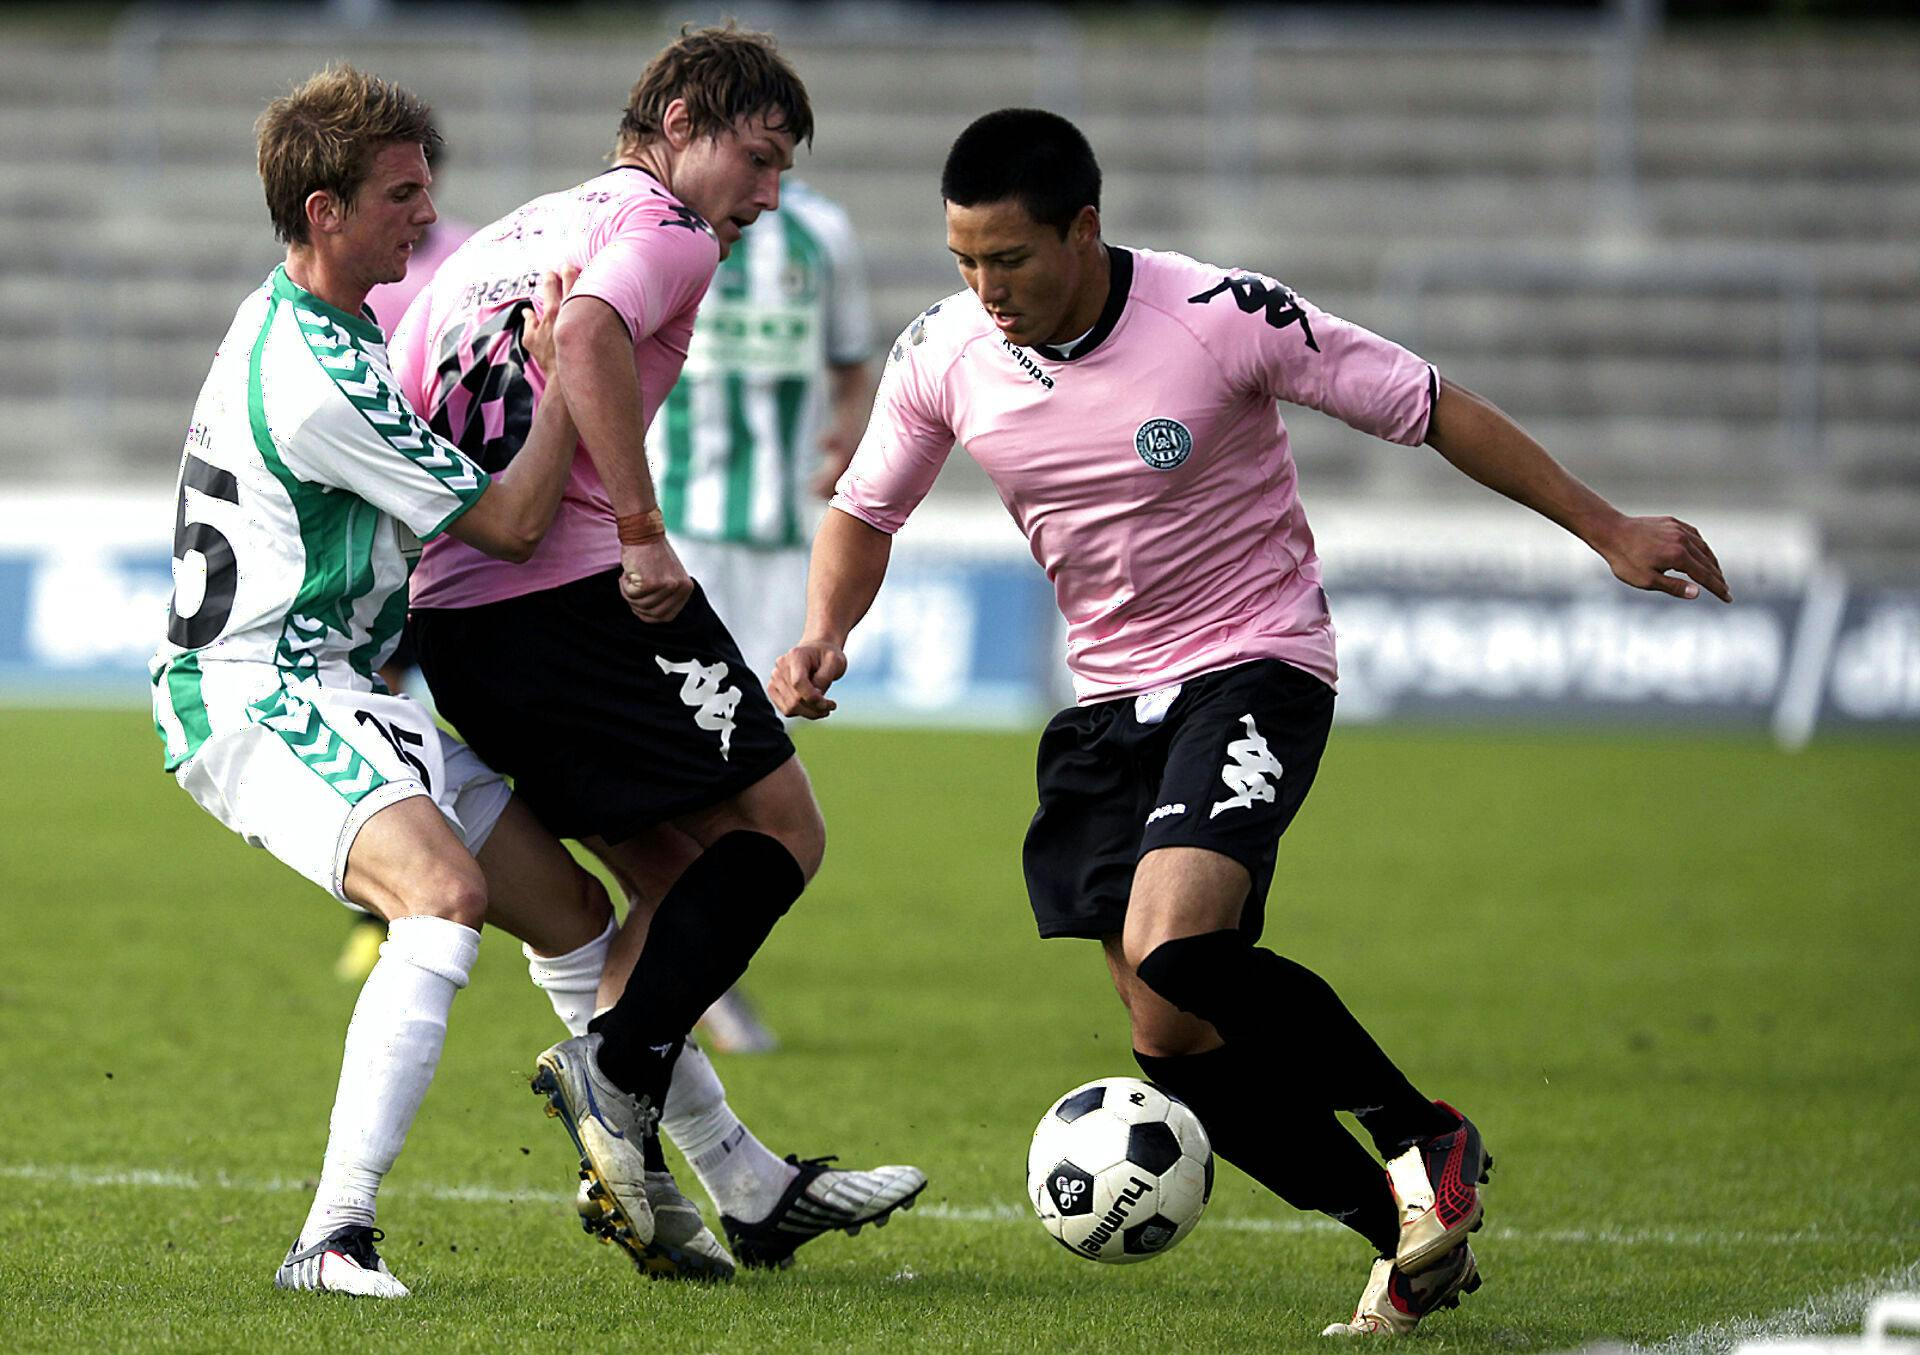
537, 337
836, 452
653, 581
801, 678
1641, 551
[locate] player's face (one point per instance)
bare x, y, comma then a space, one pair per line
390, 214
733, 177
1036, 287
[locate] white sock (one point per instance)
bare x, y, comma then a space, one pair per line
393, 1045
571, 980
742, 1176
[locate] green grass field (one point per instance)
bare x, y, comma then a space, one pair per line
1677, 983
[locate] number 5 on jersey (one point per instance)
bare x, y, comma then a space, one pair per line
202, 625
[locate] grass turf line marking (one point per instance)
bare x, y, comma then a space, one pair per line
147, 1178
1837, 1310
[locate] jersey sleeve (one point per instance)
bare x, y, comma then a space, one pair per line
907, 441
849, 336
362, 437
1278, 343
650, 269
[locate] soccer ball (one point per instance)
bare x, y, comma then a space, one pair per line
1119, 1171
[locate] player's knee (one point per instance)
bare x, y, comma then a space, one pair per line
796, 823
1162, 1034
1184, 971
783, 807
806, 837
453, 889
596, 909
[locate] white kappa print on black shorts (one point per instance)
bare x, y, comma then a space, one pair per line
712, 704
1250, 763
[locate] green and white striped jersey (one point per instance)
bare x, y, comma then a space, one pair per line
736, 439
305, 490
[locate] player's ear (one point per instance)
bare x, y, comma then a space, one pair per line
676, 125
324, 216
1086, 226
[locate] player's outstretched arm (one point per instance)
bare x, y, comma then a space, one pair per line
1478, 438
512, 517
596, 367
849, 563
849, 393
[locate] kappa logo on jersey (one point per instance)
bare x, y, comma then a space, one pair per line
712, 704
1252, 762
1164, 444
687, 218
1252, 293
1164, 812
1027, 364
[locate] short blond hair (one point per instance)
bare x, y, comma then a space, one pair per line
323, 136
724, 74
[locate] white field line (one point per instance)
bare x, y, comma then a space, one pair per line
91, 1179
1838, 1310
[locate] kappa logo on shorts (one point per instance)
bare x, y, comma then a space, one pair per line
1246, 774
712, 704
1164, 444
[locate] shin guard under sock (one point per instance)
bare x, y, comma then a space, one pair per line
718, 913
1300, 1153
1289, 1014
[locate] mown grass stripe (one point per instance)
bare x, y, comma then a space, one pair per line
160, 1179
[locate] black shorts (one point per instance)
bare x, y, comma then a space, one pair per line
607, 725
1226, 768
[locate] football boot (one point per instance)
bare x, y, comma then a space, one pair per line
609, 1129
822, 1199
1394, 1302
732, 1026
342, 1262
362, 951
1435, 1187
683, 1247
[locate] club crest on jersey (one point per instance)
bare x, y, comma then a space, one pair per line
1164, 444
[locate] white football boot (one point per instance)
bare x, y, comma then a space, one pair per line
1394, 1302
683, 1247
609, 1129
822, 1199
732, 1026
342, 1262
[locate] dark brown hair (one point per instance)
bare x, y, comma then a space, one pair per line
324, 135
724, 74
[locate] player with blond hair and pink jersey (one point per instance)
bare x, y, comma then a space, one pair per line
597, 674
1124, 403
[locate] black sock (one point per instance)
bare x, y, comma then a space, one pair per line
1262, 1001
1300, 1153
718, 913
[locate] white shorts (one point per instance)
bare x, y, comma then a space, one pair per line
302, 781
761, 595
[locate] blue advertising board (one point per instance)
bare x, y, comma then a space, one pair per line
1440, 617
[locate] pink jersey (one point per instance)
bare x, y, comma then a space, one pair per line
459, 361
389, 301
1150, 471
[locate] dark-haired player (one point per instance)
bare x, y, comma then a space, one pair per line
1123, 403
600, 678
